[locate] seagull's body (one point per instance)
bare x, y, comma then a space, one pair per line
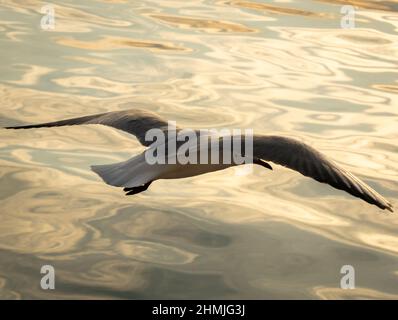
136, 174
136, 171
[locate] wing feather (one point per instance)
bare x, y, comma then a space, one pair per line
303, 158
134, 121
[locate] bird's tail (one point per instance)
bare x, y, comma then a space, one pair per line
131, 173
112, 174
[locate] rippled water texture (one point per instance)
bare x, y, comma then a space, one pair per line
285, 67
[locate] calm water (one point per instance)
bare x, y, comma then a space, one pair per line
276, 66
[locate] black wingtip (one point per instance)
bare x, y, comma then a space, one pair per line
19, 127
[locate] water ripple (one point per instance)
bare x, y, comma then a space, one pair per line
285, 69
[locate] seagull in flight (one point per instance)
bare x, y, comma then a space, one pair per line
136, 174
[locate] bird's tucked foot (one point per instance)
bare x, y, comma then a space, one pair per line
262, 163
135, 190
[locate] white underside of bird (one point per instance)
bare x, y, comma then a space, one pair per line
137, 171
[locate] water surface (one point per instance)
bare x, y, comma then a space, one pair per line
285, 67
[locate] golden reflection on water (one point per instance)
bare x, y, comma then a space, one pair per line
235, 64
274, 9
362, 293
389, 5
112, 43
208, 25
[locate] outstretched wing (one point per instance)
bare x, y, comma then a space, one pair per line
298, 156
135, 121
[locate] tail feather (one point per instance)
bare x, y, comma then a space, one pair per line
110, 173
131, 173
